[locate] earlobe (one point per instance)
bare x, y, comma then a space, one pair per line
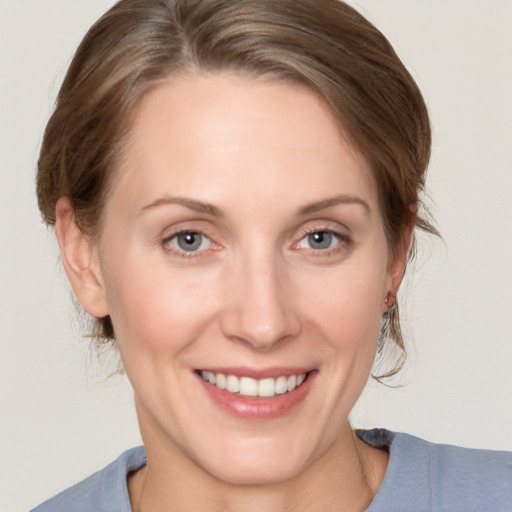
396, 268
80, 261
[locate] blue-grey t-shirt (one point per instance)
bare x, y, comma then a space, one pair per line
420, 477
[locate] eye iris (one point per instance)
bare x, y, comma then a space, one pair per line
320, 240
189, 241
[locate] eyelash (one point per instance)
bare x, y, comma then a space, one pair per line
343, 242
166, 243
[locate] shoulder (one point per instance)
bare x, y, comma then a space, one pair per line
102, 491
452, 469
442, 477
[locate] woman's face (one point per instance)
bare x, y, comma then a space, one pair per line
243, 240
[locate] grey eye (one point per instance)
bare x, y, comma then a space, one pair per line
190, 241
320, 240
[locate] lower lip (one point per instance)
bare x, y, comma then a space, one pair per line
256, 408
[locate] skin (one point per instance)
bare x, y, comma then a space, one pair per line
257, 293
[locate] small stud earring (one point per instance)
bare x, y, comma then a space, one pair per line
389, 300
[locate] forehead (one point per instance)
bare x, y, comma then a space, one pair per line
207, 135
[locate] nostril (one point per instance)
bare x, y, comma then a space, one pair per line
257, 309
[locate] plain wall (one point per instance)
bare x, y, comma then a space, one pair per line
62, 417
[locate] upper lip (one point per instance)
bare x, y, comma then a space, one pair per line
257, 373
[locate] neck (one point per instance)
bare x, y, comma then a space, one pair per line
346, 477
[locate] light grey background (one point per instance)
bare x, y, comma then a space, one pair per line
62, 418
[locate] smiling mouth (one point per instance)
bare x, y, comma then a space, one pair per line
249, 387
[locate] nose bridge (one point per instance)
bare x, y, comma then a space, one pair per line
259, 310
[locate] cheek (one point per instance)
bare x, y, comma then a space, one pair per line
154, 308
348, 303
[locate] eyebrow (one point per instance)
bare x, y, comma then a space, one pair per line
333, 201
201, 207
191, 204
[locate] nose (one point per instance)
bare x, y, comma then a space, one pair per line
259, 304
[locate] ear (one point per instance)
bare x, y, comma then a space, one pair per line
80, 260
396, 267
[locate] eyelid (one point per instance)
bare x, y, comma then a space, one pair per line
325, 227
172, 229
174, 241
344, 239
334, 234
177, 251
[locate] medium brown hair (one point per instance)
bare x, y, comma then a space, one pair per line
324, 45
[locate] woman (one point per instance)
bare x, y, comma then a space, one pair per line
235, 188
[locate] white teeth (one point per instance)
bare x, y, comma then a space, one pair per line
267, 387
232, 384
209, 377
248, 386
281, 385
221, 381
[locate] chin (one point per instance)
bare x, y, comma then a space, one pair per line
254, 470
260, 461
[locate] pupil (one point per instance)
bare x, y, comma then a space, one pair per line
189, 241
320, 240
